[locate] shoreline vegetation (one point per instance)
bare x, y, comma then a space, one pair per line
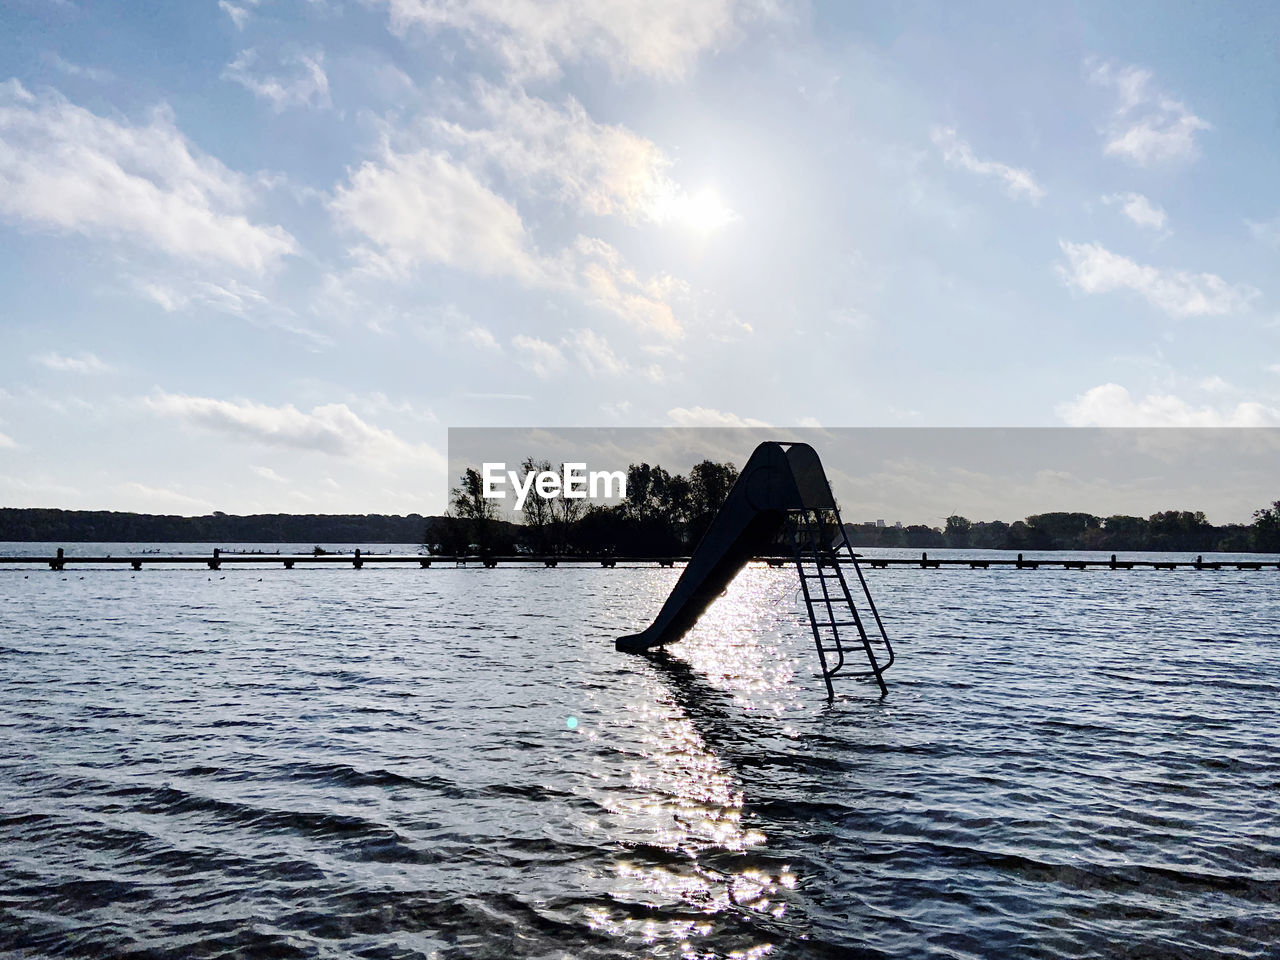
664, 514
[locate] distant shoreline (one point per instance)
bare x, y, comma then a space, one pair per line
1169, 531
34, 525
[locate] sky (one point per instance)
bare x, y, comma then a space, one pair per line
259, 255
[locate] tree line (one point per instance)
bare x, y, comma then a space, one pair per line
663, 514
72, 526
1168, 530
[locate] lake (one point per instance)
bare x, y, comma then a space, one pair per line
454, 762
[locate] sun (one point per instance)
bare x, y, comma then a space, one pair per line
702, 212
705, 212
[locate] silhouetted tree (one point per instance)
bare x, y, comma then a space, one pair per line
477, 512
1266, 529
1180, 530
538, 515
565, 512
709, 486
958, 531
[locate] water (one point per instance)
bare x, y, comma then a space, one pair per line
332, 763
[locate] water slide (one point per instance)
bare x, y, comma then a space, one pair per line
779, 477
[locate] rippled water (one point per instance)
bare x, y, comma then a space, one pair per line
379, 763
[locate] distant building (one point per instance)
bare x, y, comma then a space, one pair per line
897, 524
879, 523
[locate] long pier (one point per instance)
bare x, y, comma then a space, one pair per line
359, 559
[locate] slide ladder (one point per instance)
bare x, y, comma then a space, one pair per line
821, 549
781, 491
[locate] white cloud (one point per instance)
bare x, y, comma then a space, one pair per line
332, 429
65, 168
233, 297
594, 354
596, 270
544, 359
482, 337
1139, 209
709, 417
599, 169
93, 74
179, 294
654, 373
1148, 127
308, 86
1093, 269
424, 208
660, 38
1111, 405
377, 403
7, 442
1018, 183
85, 363
238, 12
268, 474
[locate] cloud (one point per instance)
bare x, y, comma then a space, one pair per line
596, 270
708, 417
67, 169
93, 74
1147, 127
377, 403
332, 429
594, 354
1018, 183
1139, 209
481, 337
85, 363
1093, 269
268, 474
596, 168
544, 359
235, 298
424, 207
1111, 405
7, 442
238, 12
658, 38
307, 87
177, 294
